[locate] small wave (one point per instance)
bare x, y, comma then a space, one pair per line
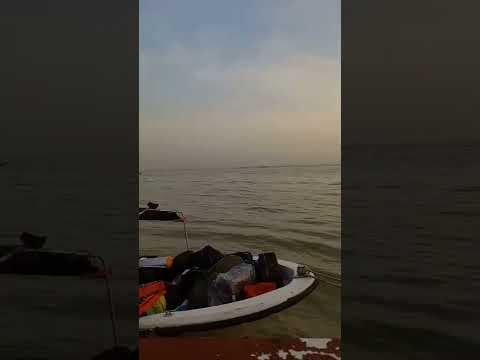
254, 167
265, 209
466, 189
308, 222
230, 225
272, 241
333, 235
461, 213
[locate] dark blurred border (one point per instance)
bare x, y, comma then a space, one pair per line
69, 156
410, 194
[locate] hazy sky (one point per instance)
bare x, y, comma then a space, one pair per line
232, 83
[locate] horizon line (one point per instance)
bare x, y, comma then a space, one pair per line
243, 167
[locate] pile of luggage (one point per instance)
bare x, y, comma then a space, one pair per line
193, 280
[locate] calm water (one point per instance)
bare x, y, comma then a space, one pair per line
410, 273
410, 264
48, 317
292, 210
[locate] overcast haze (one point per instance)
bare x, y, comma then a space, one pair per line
239, 83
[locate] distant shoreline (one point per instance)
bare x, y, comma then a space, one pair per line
244, 167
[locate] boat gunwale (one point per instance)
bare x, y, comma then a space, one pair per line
279, 302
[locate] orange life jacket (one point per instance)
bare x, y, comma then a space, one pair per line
151, 288
153, 304
252, 290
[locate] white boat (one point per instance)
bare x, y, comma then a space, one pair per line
298, 283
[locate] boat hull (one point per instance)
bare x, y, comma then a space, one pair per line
234, 313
